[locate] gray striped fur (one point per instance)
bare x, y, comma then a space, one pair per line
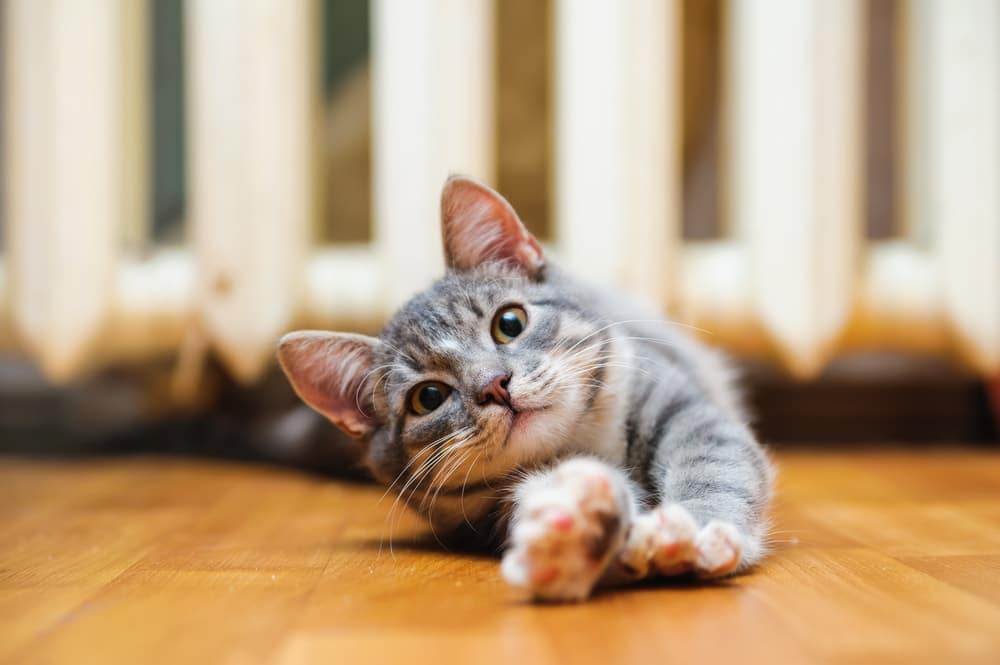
618, 383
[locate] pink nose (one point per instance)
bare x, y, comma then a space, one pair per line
496, 391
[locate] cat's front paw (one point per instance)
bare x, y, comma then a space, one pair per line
667, 541
661, 542
567, 526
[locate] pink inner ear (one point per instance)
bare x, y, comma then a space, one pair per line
480, 226
329, 371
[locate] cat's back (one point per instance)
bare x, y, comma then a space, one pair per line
662, 350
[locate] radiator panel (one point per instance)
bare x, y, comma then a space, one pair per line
794, 278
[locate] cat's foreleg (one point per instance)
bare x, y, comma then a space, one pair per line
568, 525
712, 482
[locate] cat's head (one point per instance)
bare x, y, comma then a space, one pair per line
491, 368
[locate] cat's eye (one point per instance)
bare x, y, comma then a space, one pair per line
508, 324
428, 396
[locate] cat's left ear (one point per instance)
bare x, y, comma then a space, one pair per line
479, 226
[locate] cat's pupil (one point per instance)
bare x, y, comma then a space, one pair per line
510, 324
430, 397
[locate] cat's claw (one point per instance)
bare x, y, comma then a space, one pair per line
667, 541
568, 525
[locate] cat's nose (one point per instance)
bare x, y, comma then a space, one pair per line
496, 391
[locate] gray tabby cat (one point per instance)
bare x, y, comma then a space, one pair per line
510, 398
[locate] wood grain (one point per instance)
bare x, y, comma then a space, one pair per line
882, 557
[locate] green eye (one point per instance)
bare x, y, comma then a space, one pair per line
508, 324
428, 396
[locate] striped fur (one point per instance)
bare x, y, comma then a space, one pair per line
592, 376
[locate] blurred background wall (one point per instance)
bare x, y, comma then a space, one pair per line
851, 320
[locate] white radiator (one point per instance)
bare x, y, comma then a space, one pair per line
793, 277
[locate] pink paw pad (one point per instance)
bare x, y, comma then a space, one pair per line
544, 576
562, 521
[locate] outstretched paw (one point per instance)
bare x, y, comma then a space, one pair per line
667, 541
660, 542
568, 525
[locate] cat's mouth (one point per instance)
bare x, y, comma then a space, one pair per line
520, 419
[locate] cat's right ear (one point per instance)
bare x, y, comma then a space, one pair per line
329, 372
480, 226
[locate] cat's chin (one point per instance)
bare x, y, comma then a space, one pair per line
525, 420
532, 433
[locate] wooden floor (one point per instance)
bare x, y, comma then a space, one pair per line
880, 557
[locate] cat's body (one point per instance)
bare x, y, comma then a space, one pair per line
599, 443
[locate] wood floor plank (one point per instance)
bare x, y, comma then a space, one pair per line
849, 603
910, 529
58, 548
880, 556
977, 574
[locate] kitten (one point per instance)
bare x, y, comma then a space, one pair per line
509, 397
